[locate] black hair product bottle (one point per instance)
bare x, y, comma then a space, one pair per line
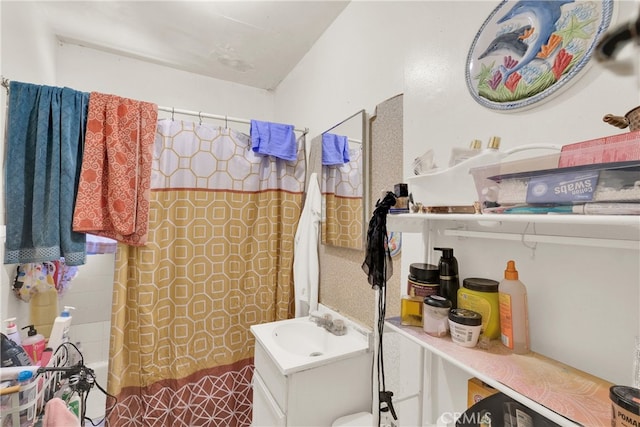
449, 280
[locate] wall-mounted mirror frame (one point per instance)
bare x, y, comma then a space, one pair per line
346, 187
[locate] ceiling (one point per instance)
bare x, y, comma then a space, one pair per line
254, 43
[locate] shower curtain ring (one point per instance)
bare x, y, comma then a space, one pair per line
200, 116
226, 126
173, 110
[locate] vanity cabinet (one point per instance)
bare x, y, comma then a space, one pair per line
311, 397
582, 275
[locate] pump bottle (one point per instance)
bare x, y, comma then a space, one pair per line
12, 331
60, 330
514, 316
449, 280
34, 344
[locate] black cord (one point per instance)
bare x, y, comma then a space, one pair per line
379, 267
81, 379
107, 410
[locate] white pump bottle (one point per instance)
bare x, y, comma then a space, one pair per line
12, 331
60, 331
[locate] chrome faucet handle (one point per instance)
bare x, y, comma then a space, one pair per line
338, 327
322, 319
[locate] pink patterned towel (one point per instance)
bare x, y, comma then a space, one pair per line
56, 414
113, 193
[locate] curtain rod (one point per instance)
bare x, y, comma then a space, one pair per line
202, 115
5, 83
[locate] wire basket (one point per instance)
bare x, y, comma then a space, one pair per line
24, 406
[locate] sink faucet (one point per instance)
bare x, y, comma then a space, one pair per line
336, 327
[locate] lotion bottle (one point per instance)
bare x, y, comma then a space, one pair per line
60, 330
12, 331
34, 344
514, 316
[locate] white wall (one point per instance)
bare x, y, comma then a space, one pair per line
357, 63
92, 70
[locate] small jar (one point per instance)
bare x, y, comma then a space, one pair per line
625, 406
435, 315
424, 280
481, 295
465, 326
411, 311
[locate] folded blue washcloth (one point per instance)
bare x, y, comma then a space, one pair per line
274, 139
335, 149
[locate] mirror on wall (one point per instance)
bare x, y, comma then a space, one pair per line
343, 184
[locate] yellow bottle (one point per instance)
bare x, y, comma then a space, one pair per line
43, 310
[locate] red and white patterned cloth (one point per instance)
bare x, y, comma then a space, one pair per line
113, 192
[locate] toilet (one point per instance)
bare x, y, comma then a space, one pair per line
360, 419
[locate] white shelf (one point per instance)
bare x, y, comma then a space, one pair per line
621, 231
564, 395
409, 220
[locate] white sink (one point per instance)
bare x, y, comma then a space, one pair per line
298, 344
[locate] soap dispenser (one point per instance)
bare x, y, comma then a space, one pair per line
34, 344
60, 330
448, 271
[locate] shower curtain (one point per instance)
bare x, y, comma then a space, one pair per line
219, 259
341, 186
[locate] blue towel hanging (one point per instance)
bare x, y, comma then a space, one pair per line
335, 149
274, 139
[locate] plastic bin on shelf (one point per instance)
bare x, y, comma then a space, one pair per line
578, 175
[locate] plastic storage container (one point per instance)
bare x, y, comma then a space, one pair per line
610, 167
625, 406
435, 315
481, 295
424, 280
465, 326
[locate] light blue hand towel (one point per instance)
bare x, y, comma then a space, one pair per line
274, 139
335, 149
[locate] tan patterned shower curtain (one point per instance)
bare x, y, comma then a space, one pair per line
219, 259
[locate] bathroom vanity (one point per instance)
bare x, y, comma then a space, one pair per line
306, 376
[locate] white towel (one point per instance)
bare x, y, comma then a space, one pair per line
306, 265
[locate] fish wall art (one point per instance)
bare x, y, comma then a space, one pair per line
528, 49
